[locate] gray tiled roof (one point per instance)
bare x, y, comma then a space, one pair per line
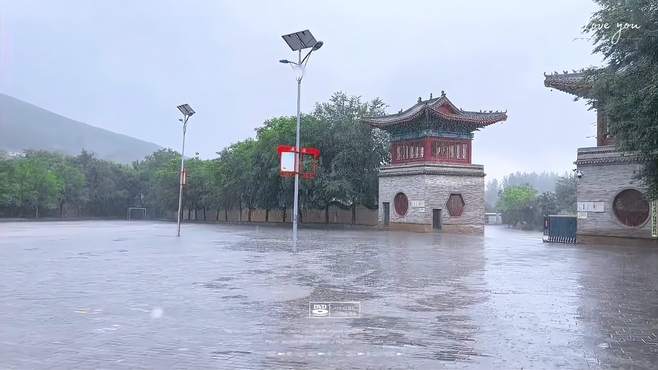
431, 107
573, 83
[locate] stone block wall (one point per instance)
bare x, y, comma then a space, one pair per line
433, 184
605, 173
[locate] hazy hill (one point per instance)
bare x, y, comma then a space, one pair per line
26, 126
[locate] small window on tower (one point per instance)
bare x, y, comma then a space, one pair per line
455, 205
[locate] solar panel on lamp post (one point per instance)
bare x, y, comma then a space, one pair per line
187, 113
299, 41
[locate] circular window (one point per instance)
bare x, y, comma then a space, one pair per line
401, 204
631, 207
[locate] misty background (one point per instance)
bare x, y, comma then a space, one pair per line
124, 66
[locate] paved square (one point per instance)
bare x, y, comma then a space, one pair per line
132, 295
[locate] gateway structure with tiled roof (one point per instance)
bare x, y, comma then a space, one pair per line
433, 130
612, 202
431, 184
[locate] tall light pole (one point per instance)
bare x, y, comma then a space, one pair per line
299, 41
187, 113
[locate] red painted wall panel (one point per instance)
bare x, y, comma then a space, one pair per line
437, 150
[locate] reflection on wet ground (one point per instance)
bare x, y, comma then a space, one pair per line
130, 295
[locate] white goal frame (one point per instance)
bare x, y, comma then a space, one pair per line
130, 209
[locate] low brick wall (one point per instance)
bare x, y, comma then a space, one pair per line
336, 215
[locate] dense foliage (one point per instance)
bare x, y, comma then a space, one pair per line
38, 183
244, 175
524, 206
541, 182
626, 89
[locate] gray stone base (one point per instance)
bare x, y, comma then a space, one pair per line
605, 172
401, 226
427, 187
427, 228
615, 240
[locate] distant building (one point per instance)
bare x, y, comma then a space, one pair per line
612, 202
493, 218
431, 183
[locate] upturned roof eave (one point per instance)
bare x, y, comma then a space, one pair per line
476, 123
570, 83
428, 107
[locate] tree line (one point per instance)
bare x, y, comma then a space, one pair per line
524, 206
243, 176
541, 182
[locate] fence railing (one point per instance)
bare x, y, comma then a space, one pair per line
560, 229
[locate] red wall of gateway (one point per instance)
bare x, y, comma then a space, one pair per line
438, 150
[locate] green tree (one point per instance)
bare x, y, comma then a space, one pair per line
275, 191
158, 179
626, 89
565, 191
7, 183
72, 181
110, 187
542, 182
545, 204
37, 185
517, 204
352, 151
198, 188
237, 176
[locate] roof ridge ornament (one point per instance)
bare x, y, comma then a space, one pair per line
443, 94
420, 99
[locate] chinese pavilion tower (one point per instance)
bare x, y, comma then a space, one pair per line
431, 181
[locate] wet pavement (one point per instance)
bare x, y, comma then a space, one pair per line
121, 295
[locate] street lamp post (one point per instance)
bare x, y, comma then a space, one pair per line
187, 113
297, 42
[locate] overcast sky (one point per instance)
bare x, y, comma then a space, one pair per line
125, 65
